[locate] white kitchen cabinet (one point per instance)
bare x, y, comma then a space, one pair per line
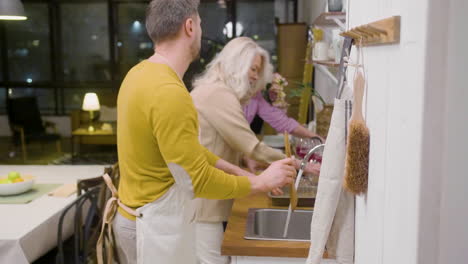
265, 260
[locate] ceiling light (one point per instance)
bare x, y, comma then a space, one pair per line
12, 10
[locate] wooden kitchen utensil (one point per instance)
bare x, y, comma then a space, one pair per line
292, 189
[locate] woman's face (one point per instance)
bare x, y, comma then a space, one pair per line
255, 69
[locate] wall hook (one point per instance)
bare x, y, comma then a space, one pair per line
382, 32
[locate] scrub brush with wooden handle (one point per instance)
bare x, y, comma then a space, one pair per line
357, 152
292, 188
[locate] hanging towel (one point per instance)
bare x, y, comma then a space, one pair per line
333, 219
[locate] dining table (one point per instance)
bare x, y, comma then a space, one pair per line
29, 230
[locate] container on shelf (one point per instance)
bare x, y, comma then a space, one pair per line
335, 5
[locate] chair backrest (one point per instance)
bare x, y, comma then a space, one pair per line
85, 223
86, 249
24, 112
84, 185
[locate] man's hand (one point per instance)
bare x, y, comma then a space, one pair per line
278, 174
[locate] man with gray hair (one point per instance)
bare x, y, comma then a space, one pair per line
162, 164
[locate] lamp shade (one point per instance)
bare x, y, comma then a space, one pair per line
12, 10
91, 102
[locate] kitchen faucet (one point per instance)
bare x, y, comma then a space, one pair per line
306, 158
304, 162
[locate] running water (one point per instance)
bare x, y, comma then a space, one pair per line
296, 185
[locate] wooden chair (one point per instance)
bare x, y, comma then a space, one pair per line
85, 212
94, 192
27, 125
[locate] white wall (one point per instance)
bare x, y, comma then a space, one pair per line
387, 218
454, 202
309, 10
444, 209
434, 143
415, 210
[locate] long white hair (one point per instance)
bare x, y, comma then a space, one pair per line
231, 67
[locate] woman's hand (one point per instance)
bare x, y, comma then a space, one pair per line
277, 191
253, 165
303, 132
313, 168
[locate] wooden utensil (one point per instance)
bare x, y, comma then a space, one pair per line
292, 189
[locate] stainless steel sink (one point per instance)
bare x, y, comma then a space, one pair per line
268, 224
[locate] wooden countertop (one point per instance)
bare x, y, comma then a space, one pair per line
234, 243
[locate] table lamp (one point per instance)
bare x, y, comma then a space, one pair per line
91, 104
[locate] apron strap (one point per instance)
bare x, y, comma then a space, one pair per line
106, 235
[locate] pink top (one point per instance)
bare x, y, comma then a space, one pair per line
270, 114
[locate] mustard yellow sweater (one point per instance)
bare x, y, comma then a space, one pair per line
157, 126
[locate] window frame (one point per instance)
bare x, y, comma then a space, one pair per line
57, 83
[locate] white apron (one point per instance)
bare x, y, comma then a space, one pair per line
165, 229
332, 223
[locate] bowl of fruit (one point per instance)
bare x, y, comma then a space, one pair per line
15, 183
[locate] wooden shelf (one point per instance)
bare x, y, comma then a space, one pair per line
329, 63
330, 19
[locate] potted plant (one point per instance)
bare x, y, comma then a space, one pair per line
274, 92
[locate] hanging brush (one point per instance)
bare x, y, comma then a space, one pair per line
357, 152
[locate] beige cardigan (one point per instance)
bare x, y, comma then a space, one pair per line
225, 132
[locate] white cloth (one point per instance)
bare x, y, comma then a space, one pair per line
333, 219
209, 237
28, 231
166, 227
125, 239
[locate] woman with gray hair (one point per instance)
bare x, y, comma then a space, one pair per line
237, 73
